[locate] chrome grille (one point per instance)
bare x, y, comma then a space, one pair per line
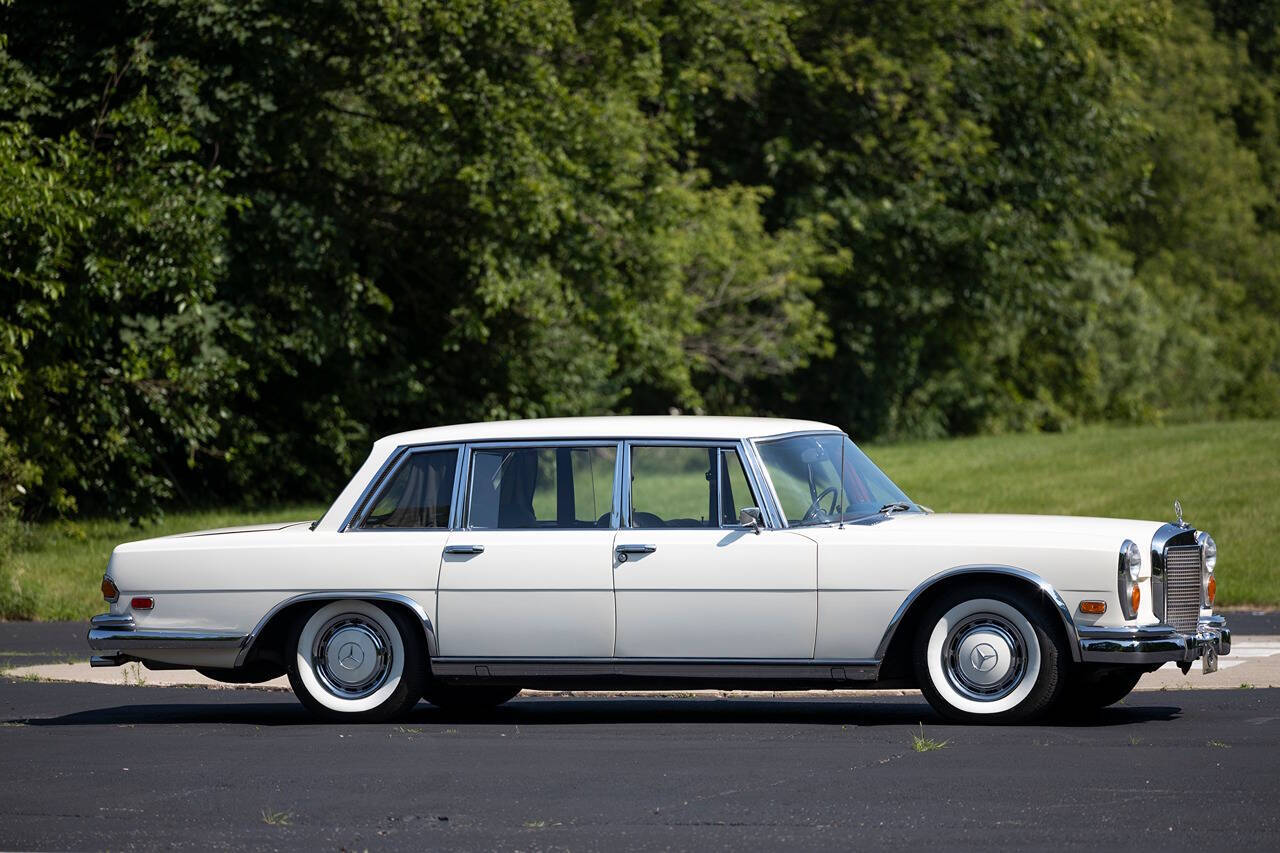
1182, 588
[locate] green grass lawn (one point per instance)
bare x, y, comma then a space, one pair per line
58, 572
1227, 476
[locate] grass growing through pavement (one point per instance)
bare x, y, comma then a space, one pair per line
920, 743
1227, 476
274, 818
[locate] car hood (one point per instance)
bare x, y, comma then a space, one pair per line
1005, 530
1069, 525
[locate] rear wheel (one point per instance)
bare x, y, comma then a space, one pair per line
452, 697
353, 661
988, 654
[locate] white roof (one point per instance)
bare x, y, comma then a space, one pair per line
633, 426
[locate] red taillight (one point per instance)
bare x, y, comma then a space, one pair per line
142, 602
109, 591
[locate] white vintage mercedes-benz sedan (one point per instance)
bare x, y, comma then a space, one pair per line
463, 563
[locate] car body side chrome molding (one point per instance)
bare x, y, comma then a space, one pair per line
658, 668
1064, 612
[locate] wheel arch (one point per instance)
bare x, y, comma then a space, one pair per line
894, 650
270, 630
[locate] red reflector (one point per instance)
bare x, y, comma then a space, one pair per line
142, 603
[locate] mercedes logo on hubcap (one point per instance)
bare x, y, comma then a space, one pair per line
350, 656
983, 657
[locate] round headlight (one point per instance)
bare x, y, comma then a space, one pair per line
1131, 556
1210, 550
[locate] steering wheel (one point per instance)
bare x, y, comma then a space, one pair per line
811, 514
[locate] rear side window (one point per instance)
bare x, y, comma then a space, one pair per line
541, 487
418, 496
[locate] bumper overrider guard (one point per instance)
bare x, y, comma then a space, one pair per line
1157, 644
114, 637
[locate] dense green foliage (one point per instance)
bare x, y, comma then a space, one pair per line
241, 239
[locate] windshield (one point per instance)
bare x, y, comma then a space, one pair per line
804, 470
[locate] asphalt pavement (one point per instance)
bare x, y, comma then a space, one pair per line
95, 767
108, 767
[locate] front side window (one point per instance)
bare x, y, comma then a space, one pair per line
418, 496
805, 471
679, 487
541, 487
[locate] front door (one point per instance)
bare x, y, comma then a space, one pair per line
528, 575
690, 582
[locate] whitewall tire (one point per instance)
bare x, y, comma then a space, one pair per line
988, 655
352, 660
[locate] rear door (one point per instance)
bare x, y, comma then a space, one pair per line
690, 582
528, 574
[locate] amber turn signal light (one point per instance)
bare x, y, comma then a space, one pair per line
109, 591
1135, 596
142, 602
1093, 607
1213, 588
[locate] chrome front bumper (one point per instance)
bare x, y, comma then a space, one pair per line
120, 640
1154, 643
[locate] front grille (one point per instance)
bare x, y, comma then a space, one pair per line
1182, 588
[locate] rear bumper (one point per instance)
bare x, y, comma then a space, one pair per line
118, 640
1154, 643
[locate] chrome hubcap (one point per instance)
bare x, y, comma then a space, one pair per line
351, 656
985, 657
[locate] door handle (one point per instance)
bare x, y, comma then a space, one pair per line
636, 549
464, 549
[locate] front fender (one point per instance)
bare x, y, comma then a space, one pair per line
1031, 579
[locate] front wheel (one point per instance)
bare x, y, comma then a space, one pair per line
988, 655
352, 661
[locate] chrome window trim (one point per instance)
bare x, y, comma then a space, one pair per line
1064, 613
756, 472
736, 445
463, 522
775, 504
